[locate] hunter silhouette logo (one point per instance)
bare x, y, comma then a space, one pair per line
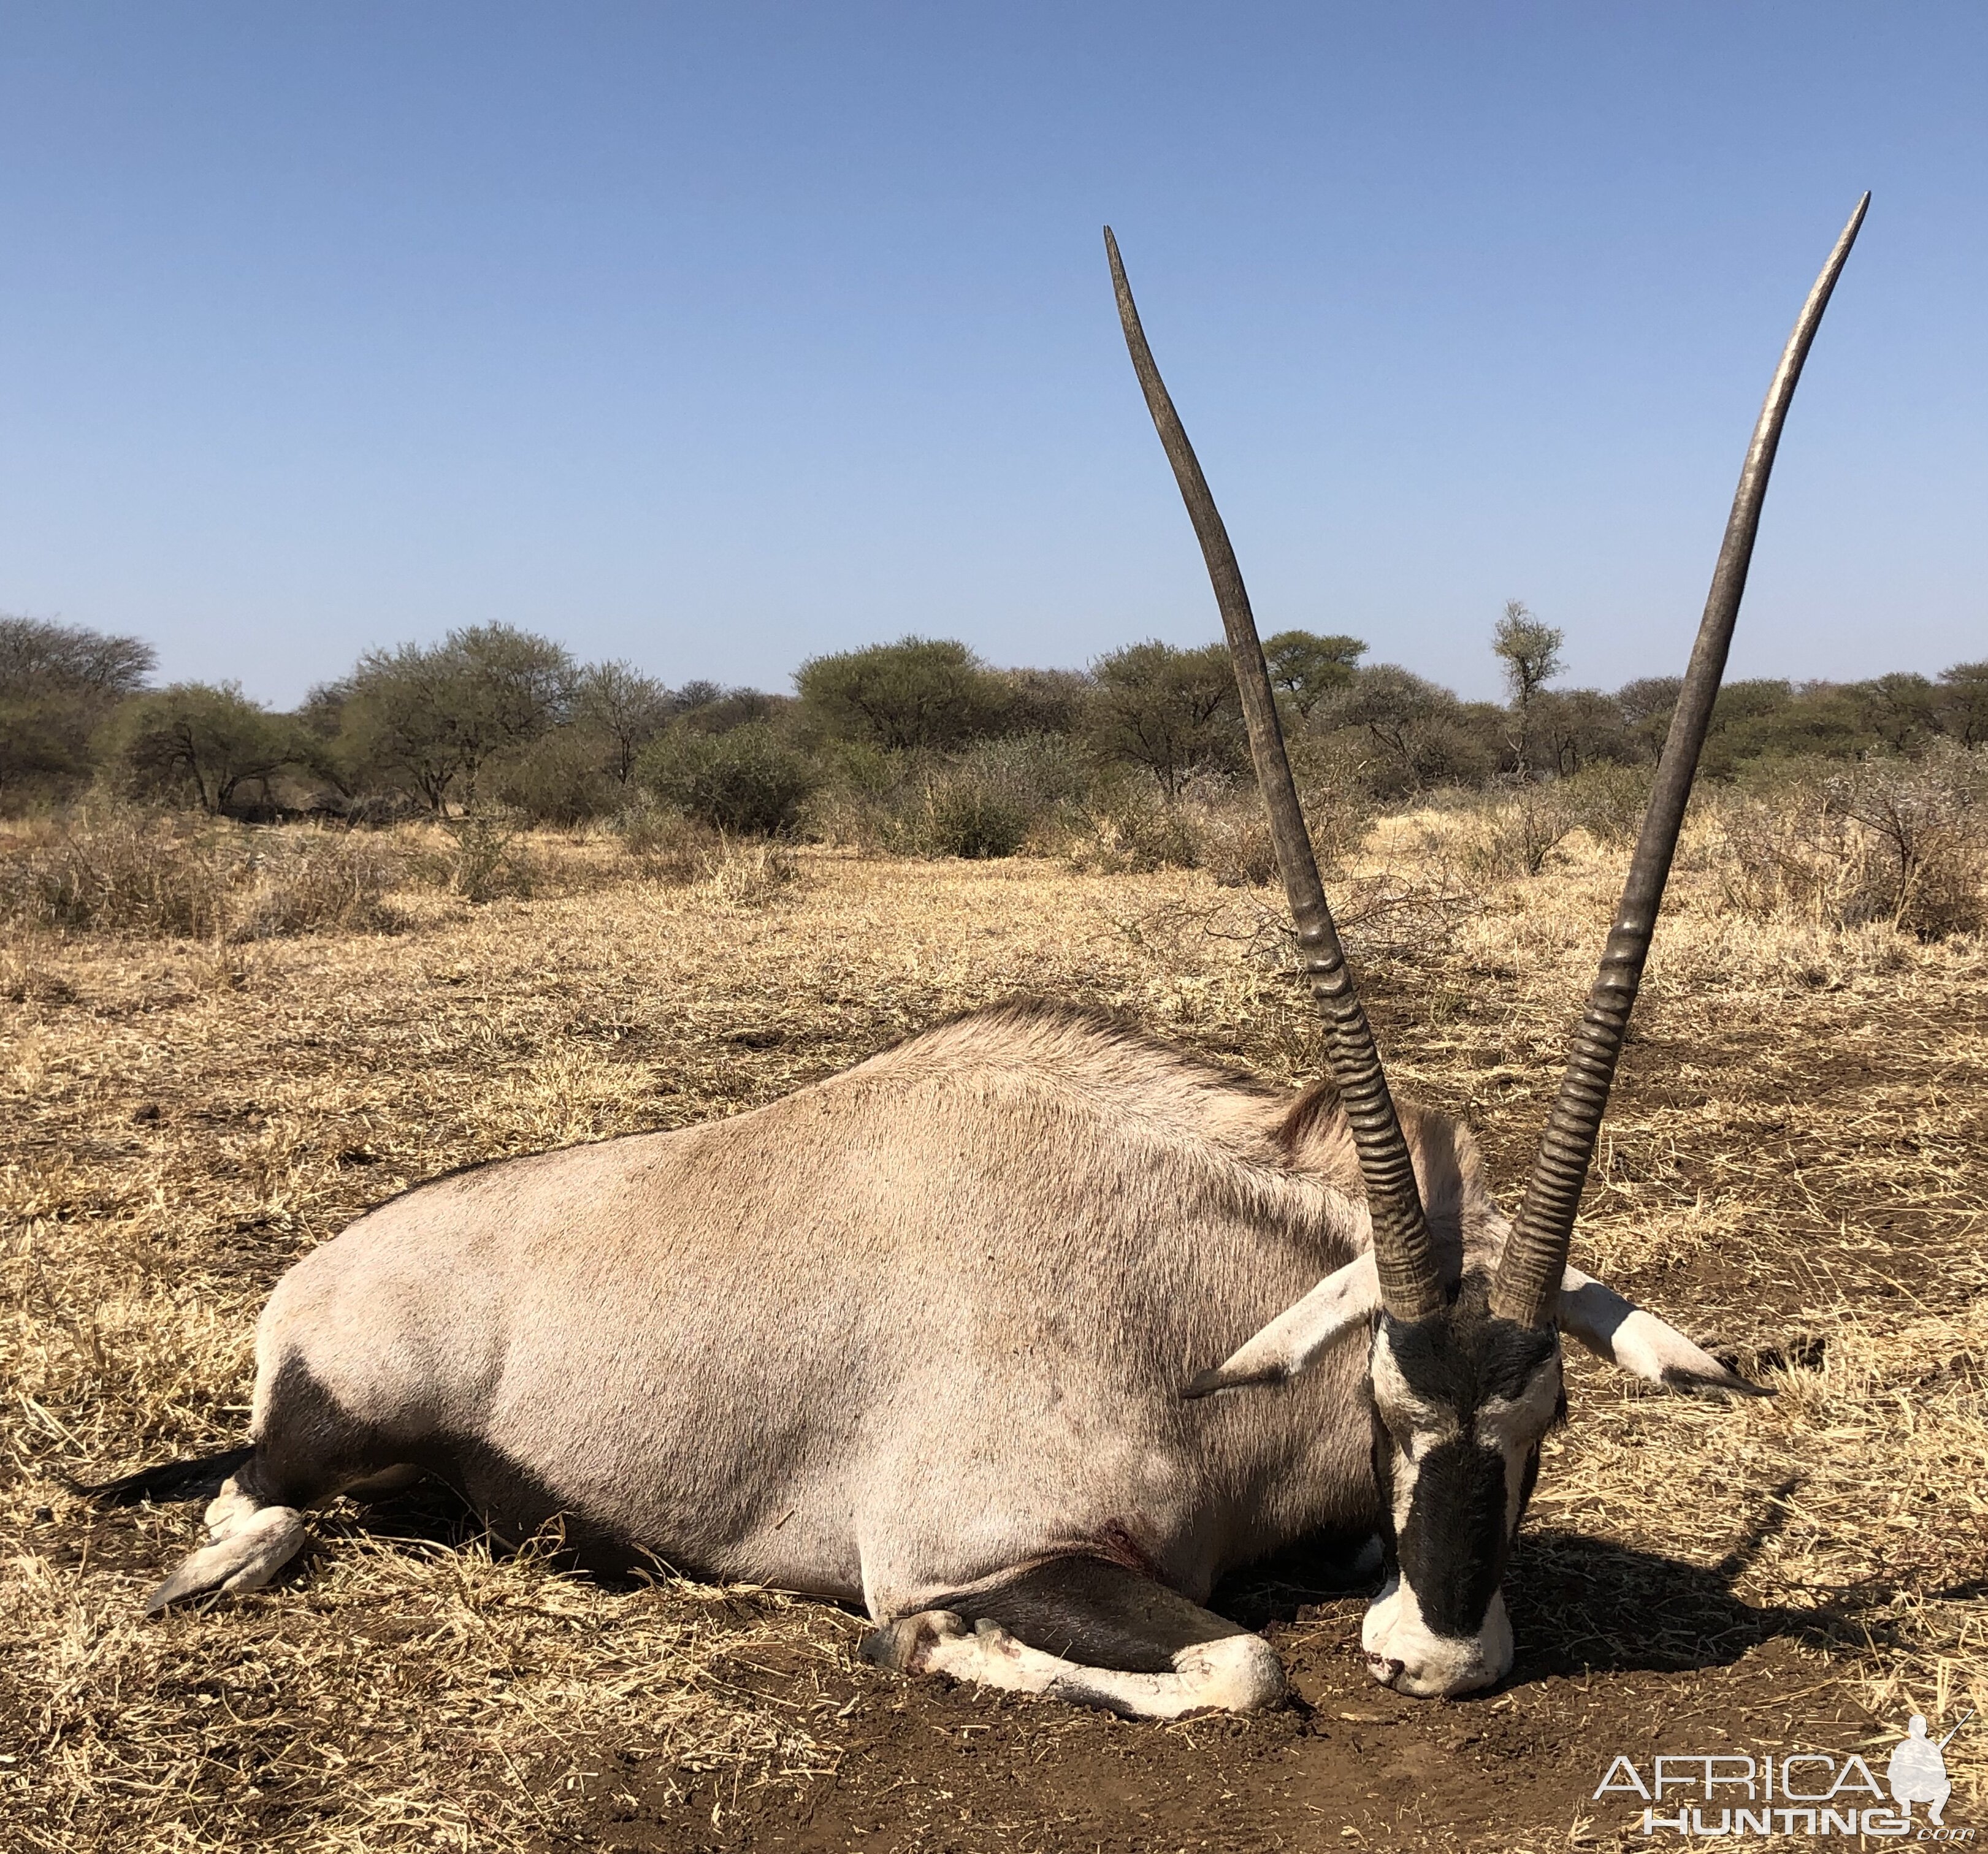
1917, 1772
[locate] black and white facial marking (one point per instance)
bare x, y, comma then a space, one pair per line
1461, 1402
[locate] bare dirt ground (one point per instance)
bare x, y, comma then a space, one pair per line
1795, 1171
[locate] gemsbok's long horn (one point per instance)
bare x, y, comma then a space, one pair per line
1404, 1258
1527, 1285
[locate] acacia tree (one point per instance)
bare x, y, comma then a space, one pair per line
1172, 711
203, 738
1646, 706
1530, 651
1572, 728
1962, 702
919, 692
1901, 709
58, 684
627, 709
706, 708
1044, 702
1420, 728
1309, 667
433, 717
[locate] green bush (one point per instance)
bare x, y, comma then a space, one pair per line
969, 818
749, 781
993, 800
210, 744
999, 797
918, 692
563, 778
1608, 802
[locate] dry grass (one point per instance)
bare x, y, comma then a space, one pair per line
1900, 841
129, 871
1797, 1167
141, 873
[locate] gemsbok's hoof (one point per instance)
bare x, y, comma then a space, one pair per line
1233, 1673
904, 1645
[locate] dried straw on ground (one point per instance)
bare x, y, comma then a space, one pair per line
1796, 1168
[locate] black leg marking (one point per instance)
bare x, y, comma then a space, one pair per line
313, 1448
198, 1478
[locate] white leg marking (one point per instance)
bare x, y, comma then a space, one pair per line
248, 1545
1236, 1673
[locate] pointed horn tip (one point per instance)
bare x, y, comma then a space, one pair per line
1851, 227
1704, 672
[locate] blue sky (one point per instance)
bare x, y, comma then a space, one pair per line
714, 336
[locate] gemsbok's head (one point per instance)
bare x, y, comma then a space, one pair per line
1465, 1372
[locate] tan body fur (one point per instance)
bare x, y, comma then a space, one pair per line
895, 1334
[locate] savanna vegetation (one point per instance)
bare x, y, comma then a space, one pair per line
260, 971
1858, 799
1792, 1171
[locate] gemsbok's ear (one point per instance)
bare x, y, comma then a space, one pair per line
1347, 1296
1620, 1330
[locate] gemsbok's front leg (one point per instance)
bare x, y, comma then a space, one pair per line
1091, 1633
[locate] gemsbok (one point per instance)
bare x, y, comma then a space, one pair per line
1023, 1334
